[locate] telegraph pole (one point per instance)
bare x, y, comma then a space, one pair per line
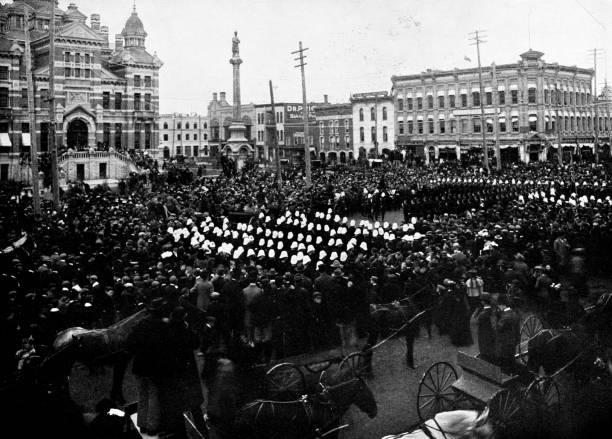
558, 126
31, 114
52, 142
494, 95
595, 53
477, 41
300, 58
279, 176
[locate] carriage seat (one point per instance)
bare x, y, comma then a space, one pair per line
480, 379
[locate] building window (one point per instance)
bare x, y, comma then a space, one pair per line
419, 103
4, 73
476, 125
147, 105
489, 98
531, 95
118, 133
77, 58
410, 127
475, 98
464, 125
187, 150
420, 126
321, 140
442, 126
87, 58
385, 136
514, 96
440, 101
118, 101
515, 124
533, 122
137, 101
106, 100
373, 134
137, 130
67, 72
384, 113
502, 124
409, 103
77, 73
453, 126
361, 114
451, 101
165, 125
565, 98
400, 105
463, 100
178, 125
4, 97
501, 97
195, 137
187, 136
546, 97
179, 150
489, 123
165, 137
430, 101
87, 73
66, 56
106, 134
430, 126
196, 151
401, 127
195, 126
186, 125
136, 80
24, 97
147, 81
178, 137
372, 113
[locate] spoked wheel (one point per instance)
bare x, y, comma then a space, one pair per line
355, 362
285, 381
504, 407
531, 327
543, 394
435, 391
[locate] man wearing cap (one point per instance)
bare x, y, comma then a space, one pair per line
486, 329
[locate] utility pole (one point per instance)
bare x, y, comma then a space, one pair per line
31, 114
52, 139
279, 176
558, 126
595, 53
477, 41
300, 58
494, 95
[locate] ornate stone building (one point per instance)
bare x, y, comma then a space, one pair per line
104, 96
438, 112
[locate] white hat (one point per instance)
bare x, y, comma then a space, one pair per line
319, 240
405, 228
280, 234
249, 228
343, 257
294, 245
250, 252
375, 233
330, 242
280, 220
283, 255
336, 218
333, 256
259, 231
377, 224
261, 242
322, 254
308, 239
301, 247
279, 246
268, 232
289, 235
271, 253
300, 237
293, 260
270, 243
296, 222
318, 227
352, 223
261, 254
363, 246
338, 242
393, 226
310, 249
386, 225
261, 215
332, 232
306, 259
310, 226
357, 232
350, 246
326, 228
274, 234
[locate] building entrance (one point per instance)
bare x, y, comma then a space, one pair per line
77, 134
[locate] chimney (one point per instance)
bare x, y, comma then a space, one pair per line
95, 22
222, 95
325, 99
104, 31
215, 97
118, 41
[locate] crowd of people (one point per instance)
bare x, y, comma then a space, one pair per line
289, 270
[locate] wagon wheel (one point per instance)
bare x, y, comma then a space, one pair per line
531, 326
356, 362
504, 407
435, 390
543, 394
285, 381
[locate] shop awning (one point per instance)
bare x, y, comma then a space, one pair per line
25, 139
5, 140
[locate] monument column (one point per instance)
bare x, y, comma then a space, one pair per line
237, 128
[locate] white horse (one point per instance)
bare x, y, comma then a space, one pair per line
457, 424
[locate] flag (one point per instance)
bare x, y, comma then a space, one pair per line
467, 59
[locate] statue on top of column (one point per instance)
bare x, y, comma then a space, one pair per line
235, 43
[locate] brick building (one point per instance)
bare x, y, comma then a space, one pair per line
335, 132
373, 124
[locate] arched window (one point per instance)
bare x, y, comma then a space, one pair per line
186, 125
195, 126
361, 134
165, 125
178, 126
372, 113
361, 114
205, 126
429, 101
384, 113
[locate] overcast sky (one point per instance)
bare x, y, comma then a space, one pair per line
355, 45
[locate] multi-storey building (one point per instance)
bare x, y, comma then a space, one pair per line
220, 117
438, 112
373, 124
184, 135
103, 97
335, 132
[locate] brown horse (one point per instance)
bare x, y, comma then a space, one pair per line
313, 416
93, 347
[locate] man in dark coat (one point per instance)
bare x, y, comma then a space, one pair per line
508, 330
486, 331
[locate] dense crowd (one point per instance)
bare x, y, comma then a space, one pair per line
287, 270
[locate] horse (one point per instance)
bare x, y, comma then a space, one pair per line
456, 424
94, 347
312, 416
